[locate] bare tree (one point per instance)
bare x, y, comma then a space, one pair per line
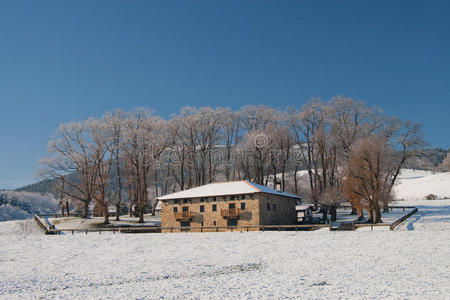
370, 165
70, 153
114, 121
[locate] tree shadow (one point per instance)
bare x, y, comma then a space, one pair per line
437, 214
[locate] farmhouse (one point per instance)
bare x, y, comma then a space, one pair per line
236, 203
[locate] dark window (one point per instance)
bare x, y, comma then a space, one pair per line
175, 209
231, 222
232, 198
231, 205
184, 200
243, 197
202, 223
268, 206
185, 224
274, 207
202, 199
202, 208
185, 208
214, 199
214, 223
214, 207
242, 205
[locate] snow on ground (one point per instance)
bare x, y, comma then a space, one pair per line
74, 222
416, 184
411, 262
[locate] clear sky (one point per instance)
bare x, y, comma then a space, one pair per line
69, 60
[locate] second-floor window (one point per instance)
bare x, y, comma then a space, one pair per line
242, 205
175, 209
214, 207
202, 208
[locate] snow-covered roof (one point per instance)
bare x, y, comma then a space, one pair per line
302, 207
225, 189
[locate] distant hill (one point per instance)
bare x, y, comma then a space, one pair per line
41, 187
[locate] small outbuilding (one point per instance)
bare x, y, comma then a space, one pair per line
304, 213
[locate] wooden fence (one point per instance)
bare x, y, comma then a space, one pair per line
155, 229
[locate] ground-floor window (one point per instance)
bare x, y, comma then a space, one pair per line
185, 224
231, 222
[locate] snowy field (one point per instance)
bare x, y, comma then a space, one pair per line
411, 262
417, 184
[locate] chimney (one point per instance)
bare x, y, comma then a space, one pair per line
278, 185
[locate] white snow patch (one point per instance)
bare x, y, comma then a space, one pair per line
415, 185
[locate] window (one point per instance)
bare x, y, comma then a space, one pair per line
214, 207
214, 199
274, 207
232, 222
202, 199
184, 200
243, 197
202, 223
202, 208
185, 224
268, 206
214, 223
231, 206
185, 208
232, 198
175, 209
242, 205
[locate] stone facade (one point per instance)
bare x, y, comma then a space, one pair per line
211, 212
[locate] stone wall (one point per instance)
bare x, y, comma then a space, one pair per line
281, 212
255, 212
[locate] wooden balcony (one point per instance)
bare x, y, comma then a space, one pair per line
184, 216
232, 213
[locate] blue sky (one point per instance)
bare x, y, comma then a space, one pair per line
69, 60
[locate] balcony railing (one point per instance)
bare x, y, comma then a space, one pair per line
231, 213
183, 216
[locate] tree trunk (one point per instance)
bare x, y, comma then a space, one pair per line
141, 215
106, 214
377, 214
333, 213
360, 213
86, 209
117, 211
67, 209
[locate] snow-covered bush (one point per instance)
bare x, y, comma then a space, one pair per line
23, 205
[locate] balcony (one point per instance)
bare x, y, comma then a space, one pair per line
184, 216
231, 213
